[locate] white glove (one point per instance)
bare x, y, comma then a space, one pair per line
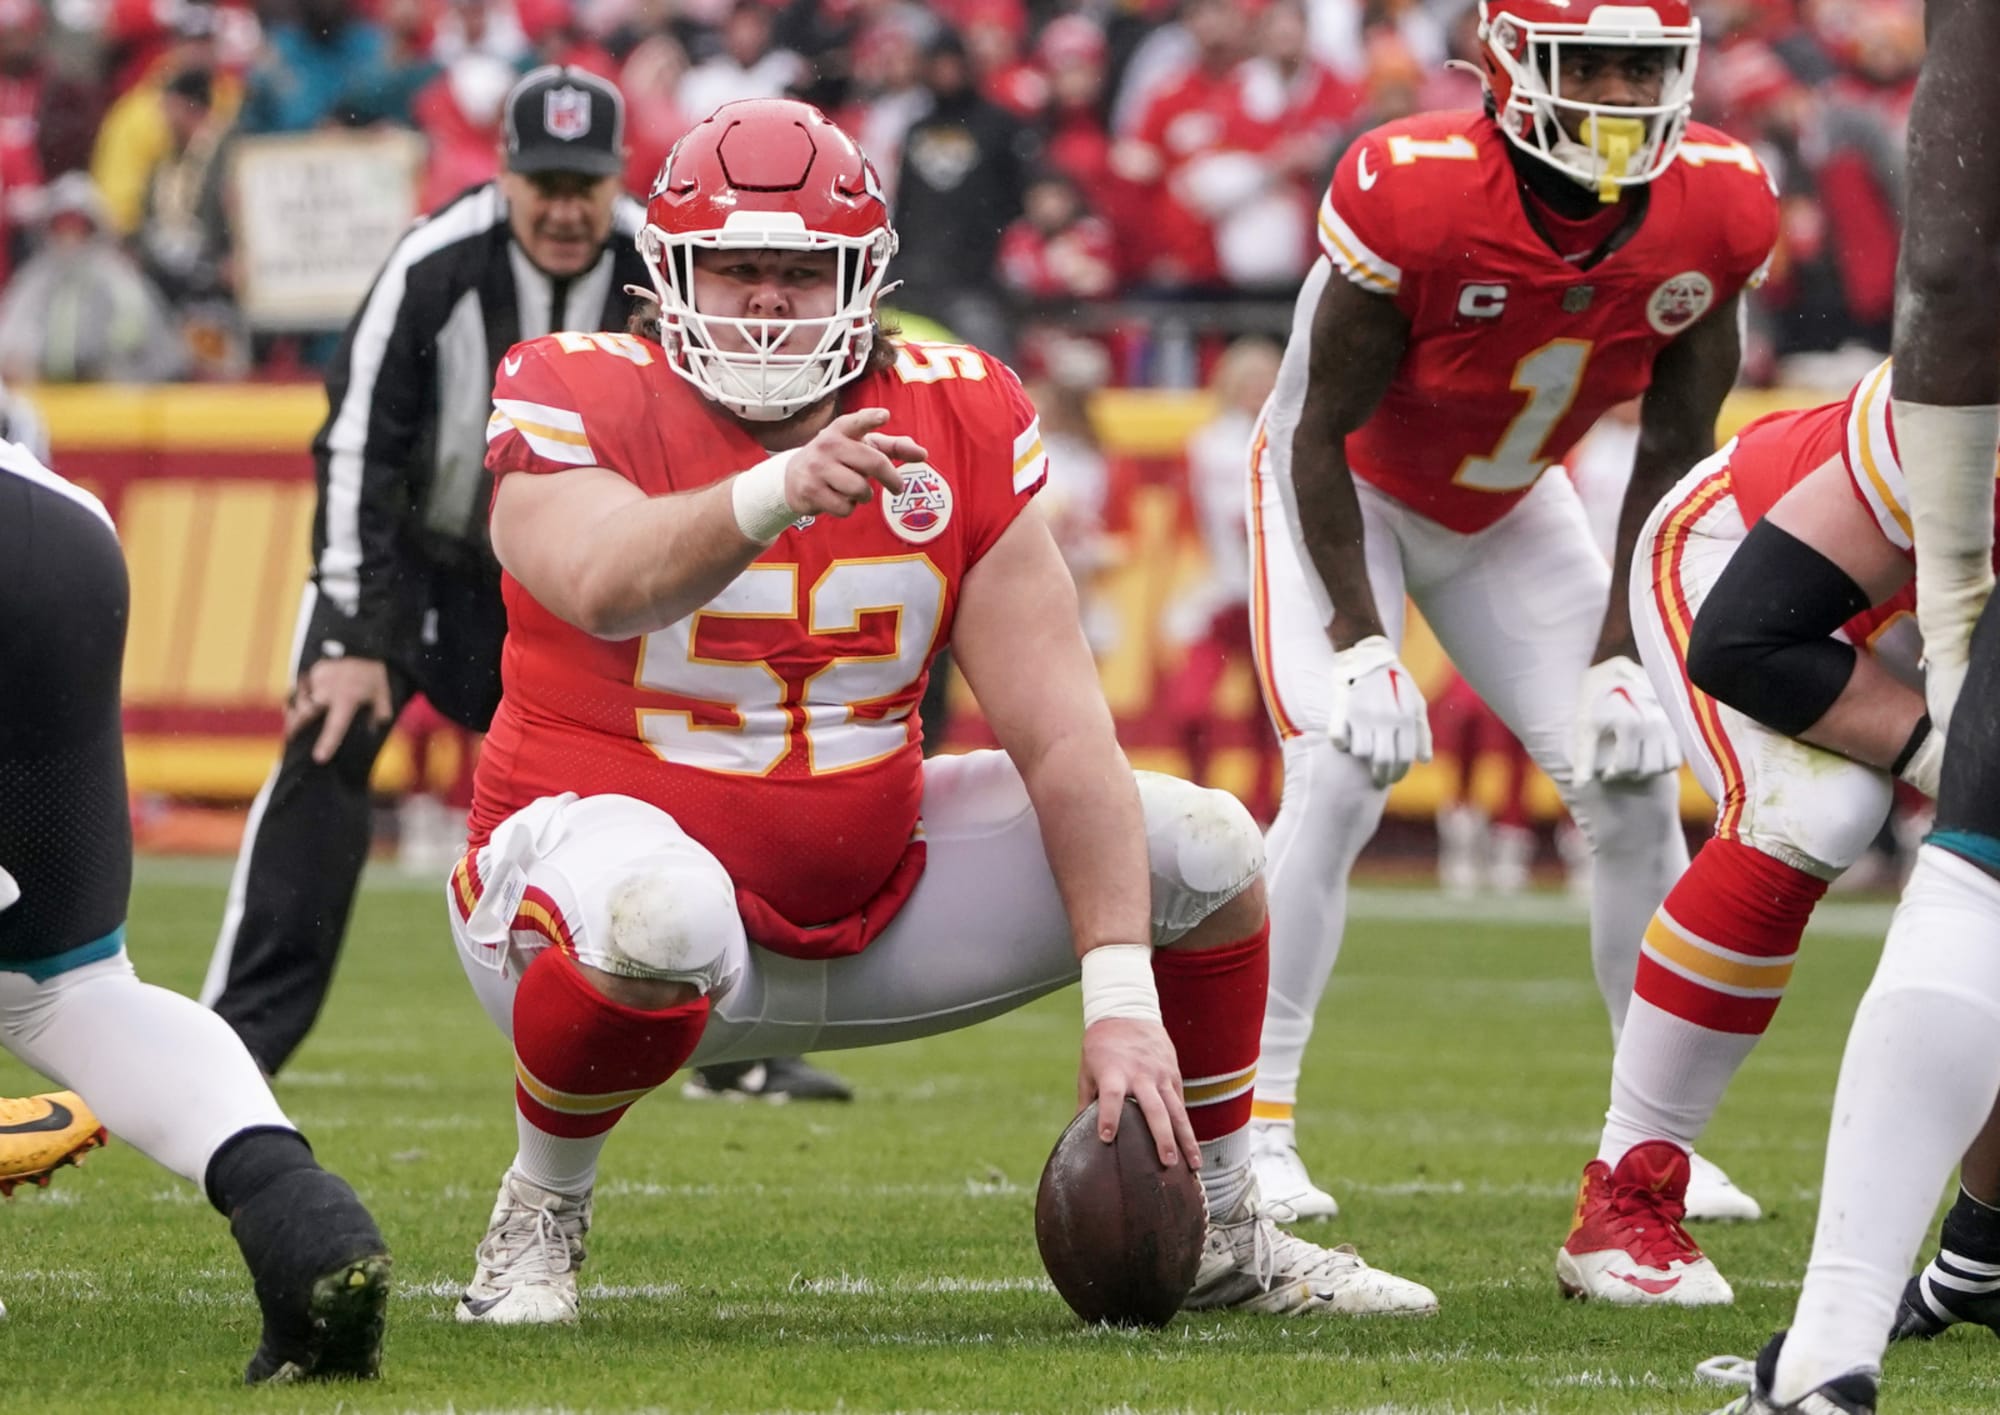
9, 890
1622, 733
1376, 713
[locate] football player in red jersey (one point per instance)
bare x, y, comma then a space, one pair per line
1774, 612
1921, 1068
1492, 282
702, 821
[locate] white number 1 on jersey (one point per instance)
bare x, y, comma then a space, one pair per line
1550, 377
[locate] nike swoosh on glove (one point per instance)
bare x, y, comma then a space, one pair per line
1622, 732
1376, 712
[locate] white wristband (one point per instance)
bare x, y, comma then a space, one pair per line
1118, 982
758, 498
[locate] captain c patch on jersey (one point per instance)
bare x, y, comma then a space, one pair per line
922, 509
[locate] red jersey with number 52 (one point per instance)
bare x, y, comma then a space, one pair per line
1514, 352
777, 725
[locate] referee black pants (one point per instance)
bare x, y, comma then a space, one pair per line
309, 828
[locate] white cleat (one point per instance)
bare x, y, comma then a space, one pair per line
1249, 1264
1290, 1196
1713, 1197
529, 1257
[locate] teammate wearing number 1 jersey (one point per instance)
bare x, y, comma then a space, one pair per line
1491, 283
703, 827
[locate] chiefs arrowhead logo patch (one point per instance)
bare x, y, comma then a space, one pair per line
922, 509
1680, 301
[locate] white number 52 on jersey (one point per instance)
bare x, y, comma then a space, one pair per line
751, 717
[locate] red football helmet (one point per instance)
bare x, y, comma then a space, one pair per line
767, 174
1522, 41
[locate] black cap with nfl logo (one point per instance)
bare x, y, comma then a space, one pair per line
565, 119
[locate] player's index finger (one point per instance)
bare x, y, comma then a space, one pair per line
859, 421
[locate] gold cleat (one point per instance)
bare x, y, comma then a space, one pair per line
41, 1134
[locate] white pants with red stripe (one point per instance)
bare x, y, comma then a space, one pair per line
1518, 607
1811, 809
982, 933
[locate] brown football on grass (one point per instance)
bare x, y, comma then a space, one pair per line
1120, 1233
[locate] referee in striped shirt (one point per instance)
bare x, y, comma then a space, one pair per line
404, 594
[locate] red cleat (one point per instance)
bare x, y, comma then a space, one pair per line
1627, 1245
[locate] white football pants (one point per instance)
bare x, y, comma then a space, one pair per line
1518, 607
1806, 807
983, 932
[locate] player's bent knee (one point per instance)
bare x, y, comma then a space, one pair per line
1204, 850
675, 924
1827, 828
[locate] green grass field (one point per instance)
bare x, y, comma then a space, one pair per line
881, 1256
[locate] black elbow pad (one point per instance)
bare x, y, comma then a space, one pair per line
1763, 641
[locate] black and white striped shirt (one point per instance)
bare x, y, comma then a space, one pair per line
401, 456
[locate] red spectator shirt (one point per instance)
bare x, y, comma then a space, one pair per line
777, 725
1513, 352
1081, 260
1190, 117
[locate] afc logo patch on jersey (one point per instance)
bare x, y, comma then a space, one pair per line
922, 509
1680, 301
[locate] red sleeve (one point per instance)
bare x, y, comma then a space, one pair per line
1006, 433
1732, 183
538, 423
1357, 219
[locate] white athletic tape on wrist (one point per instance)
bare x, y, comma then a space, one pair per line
1118, 982
1926, 765
1947, 458
758, 498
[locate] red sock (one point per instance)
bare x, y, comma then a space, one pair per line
580, 1059
1212, 1001
1719, 951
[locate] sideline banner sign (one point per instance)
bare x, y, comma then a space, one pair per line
315, 215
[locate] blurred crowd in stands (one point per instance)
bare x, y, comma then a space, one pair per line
1054, 165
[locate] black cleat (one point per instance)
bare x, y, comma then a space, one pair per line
1962, 1283
1933, 1301
1851, 1394
347, 1311
322, 1275
778, 1079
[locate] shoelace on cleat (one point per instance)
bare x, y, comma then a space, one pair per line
1657, 1238
524, 1251
1274, 1251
